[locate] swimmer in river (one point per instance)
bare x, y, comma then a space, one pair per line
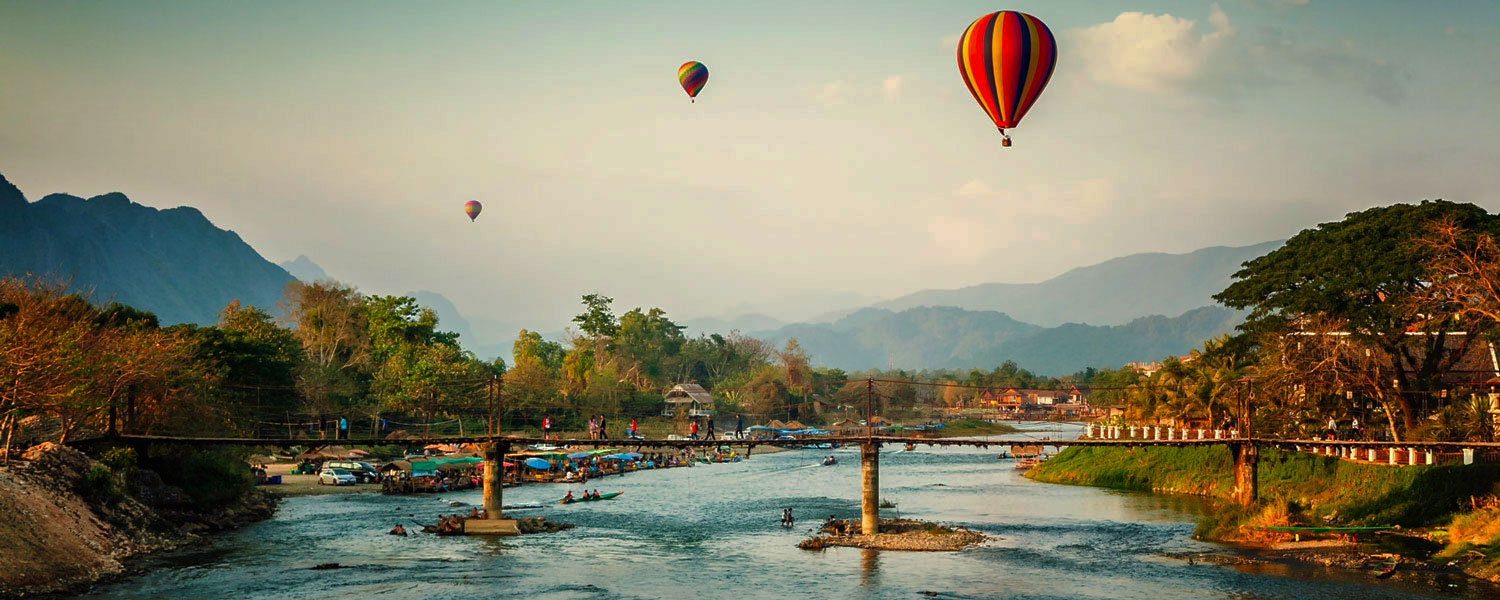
398, 530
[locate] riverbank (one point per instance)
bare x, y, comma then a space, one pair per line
71, 521
1451, 506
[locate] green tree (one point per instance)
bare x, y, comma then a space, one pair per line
598, 320
1362, 272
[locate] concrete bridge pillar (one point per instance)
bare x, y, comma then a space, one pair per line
1411, 456
1246, 455
869, 480
494, 463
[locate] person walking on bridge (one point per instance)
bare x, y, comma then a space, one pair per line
710, 429
633, 434
693, 430
546, 426
739, 427
603, 428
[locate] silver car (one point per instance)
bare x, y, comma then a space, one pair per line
335, 477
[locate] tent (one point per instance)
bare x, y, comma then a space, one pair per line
793, 424
537, 463
776, 424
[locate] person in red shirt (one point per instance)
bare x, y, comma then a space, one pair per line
632, 428
546, 425
694, 430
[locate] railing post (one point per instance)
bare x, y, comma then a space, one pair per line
1132, 432
1218, 434
1170, 432
1200, 434
1468, 456
1371, 455
1391, 455
1429, 457
1411, 456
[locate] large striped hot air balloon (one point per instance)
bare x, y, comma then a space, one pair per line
472, 209
1006, 59
692, 75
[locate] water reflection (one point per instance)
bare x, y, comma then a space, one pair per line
869, 567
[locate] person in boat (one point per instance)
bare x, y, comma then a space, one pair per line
569, 497
398, 530
596, 494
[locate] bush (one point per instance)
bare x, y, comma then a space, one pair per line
98, 483
210, 476
119, 460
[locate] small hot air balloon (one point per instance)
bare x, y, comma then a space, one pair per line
692, 75
472, 209
1006, 59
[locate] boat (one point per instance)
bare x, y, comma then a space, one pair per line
1388, 568
910, 447
830, 461
608, 496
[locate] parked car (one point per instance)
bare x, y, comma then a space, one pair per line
335, 477
363, 472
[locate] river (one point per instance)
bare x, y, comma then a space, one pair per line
712, 531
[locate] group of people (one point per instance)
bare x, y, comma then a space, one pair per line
587, 495
598, 428
1355, 430
446, 525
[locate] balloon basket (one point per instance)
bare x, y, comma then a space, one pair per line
1005, 142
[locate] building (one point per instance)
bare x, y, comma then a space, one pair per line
689, 397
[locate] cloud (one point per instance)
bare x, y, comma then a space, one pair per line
1152, 53
1179, 57
892, 86
833, 93
979, 219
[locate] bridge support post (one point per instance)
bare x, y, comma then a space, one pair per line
494, 523
494, 461
869, 480
1246, 455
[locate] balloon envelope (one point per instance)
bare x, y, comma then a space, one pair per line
1006, 59
693, 76
472, 209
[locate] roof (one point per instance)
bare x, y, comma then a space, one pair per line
689, 392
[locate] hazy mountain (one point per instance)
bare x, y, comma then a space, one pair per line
947, 337
1109, 293
305, 269
743, 323
172, 262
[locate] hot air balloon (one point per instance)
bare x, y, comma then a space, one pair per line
472, 209
1006, 59
692, 75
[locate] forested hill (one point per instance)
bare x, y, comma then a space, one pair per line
947, 337
1113, 292
172, 262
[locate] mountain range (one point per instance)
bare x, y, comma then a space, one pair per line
173, 262
949, 337
179, 265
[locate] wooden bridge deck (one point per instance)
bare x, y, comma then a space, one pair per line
751, 443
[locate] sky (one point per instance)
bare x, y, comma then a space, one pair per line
834, 157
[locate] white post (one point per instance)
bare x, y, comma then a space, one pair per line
1468, 456
1411, 456
1200, 434
1088, 430
1170, 432
1132, 431
1218, 434
1371, 455
1158, 433
1429, 457
1117, 433
1184, 432
1391, 453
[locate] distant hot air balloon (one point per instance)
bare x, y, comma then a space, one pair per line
472, 209
1006, 59
692, 75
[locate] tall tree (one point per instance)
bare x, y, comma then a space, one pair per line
1362, 272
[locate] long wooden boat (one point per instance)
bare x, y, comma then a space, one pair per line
608, 496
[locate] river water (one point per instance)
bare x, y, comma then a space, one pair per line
712, 531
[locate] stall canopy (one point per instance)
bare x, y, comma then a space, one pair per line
537, 463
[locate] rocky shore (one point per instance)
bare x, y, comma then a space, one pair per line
895, 534
70, 522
